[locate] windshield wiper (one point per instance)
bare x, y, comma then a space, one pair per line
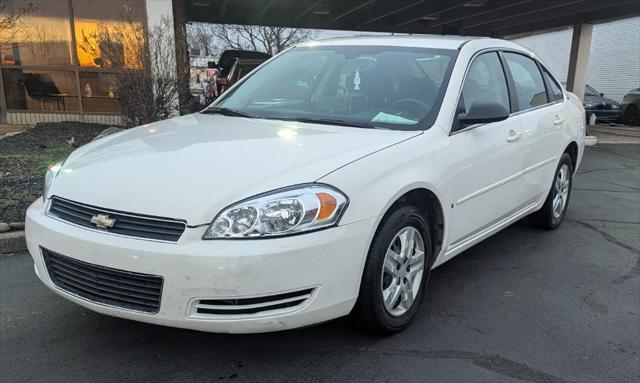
328, 121
226, 112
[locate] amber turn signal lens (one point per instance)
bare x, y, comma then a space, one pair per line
328, 205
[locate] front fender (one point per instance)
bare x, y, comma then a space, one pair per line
375, 182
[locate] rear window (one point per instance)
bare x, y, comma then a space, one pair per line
530, 89
556, 91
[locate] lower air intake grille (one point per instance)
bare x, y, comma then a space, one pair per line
253, 305
119, 288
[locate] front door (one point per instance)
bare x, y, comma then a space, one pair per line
487, 158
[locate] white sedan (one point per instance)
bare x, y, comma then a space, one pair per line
330, 181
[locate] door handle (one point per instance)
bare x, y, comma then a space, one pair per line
514, 136
558, 121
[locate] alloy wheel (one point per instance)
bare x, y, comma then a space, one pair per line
561, 191
402, 271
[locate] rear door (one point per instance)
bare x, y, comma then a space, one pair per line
540, 115
487, 159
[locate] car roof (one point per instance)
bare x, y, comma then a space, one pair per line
417, 41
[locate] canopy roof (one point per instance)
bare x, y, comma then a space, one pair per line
457, 17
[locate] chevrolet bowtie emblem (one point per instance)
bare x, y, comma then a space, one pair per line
102, 221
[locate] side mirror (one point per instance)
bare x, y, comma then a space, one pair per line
601, 94
483, 113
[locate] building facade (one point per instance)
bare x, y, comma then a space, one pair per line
614, 59
60, 61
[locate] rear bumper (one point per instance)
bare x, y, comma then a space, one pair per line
329, 261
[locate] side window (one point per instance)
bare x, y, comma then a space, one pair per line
485, 82
556, 91
528, 81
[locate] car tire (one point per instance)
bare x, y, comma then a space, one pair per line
371, 313
632, 115
552, 213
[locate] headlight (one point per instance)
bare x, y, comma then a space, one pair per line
589, 106
286, 211
615, 106
50, 175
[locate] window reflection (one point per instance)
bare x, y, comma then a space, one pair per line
42, 36
99, 92
109, 37
40, 90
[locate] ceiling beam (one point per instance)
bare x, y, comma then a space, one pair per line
469, 13
350, 11
391, 9
433, 10
264, 9
223, 7
307, 10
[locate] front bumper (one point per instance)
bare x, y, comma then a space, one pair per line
604, 115
328, 261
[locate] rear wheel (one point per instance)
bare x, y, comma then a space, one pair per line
552, 213
396, 272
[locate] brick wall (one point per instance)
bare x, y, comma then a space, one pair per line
614, 60
21, 118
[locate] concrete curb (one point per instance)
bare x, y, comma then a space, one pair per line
12, 242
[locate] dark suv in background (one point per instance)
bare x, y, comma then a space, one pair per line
631, 107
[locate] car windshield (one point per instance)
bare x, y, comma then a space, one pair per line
362, 86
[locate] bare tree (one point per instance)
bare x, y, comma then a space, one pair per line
202, 36
261, 38
148, 84
12, 21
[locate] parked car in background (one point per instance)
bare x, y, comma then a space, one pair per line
631, 107
233, 65
325, 184
240, 68
605, 109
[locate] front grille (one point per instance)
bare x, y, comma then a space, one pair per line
140, 226
253, 305
119, 288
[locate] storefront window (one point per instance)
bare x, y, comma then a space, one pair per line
42, 36
67, 55
109, 37
99, 92
40, 90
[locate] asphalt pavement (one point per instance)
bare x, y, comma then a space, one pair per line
523, 306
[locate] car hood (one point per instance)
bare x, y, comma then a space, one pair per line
598, 100
193, 166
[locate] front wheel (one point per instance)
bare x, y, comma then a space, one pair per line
396, 272
632, 115
552, 213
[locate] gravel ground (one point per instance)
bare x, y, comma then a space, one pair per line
25, 157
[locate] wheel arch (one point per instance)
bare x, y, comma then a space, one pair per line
572, 150
431, 206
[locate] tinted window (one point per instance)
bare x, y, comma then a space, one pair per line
530, 88
554, 87
485, 82
388, 87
